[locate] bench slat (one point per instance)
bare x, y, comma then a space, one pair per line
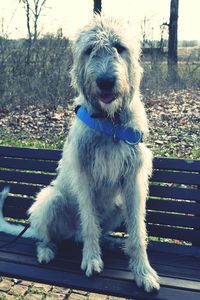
21, 205
167, 192
26, 177
173, 219
176, 177
42, 154
28, 164
48, 154
22, 189
152, 204
16, 207
159, 176
176, 164
173, 233
174, 193
115, 270
187, 207
65, 271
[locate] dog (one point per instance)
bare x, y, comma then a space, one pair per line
102, 177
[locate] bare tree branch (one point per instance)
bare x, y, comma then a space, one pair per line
33, 13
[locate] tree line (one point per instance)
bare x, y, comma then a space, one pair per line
36, 70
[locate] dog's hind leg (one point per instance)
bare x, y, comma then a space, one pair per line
45, 218
46, 251
9, 228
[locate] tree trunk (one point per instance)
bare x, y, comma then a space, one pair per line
97, 6
29, 41
27, 9
172, 43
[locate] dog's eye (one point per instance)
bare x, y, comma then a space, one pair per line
120, 49
88, 50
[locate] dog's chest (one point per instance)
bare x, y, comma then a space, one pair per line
106, 161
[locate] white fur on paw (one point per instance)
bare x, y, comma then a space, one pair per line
45, 254
147, 278
92, 265
148, 282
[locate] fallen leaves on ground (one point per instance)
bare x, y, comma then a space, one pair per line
173, 119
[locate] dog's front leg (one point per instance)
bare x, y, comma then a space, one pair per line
135, 193
91, 260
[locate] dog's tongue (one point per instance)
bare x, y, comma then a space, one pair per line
107, 98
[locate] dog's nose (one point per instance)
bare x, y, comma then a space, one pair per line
105, 82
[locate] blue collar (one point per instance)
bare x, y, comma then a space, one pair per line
118, 132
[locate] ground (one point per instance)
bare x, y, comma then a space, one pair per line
13, 289
173, 119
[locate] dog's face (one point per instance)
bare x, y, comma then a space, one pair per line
106, 64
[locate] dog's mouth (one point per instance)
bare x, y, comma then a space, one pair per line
107, 97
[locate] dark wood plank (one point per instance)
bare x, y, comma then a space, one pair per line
28, 164
172, 248
22, 189
173, 219
16, 207
26, 177
169, 232
176, 164
173, 233
176, 177
174, 193
43, 154
48, 273
16, 212
111, 269
181, 265
187, 207
46, 154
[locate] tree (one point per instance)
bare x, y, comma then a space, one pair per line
33, 11
28, 25
97, 6
172, 43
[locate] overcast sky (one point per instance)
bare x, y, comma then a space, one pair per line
71, 14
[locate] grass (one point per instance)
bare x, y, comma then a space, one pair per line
11, 140
196, 153
155, 74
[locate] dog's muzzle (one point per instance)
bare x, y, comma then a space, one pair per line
106, 86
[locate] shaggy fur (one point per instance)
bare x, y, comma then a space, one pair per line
101, 182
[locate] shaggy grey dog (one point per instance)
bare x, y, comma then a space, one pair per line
101, 181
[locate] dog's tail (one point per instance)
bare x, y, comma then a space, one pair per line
5, 226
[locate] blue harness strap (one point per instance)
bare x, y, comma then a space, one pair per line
118, 132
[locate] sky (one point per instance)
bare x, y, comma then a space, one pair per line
72, 14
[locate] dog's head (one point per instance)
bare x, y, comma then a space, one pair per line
106, 67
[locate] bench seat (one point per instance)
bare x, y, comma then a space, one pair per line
173, 223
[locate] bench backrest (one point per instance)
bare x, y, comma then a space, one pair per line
173, 208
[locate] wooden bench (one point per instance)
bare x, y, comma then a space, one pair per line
173, 222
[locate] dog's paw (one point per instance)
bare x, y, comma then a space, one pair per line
92, 265
147, 278
45, 254
148, 281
